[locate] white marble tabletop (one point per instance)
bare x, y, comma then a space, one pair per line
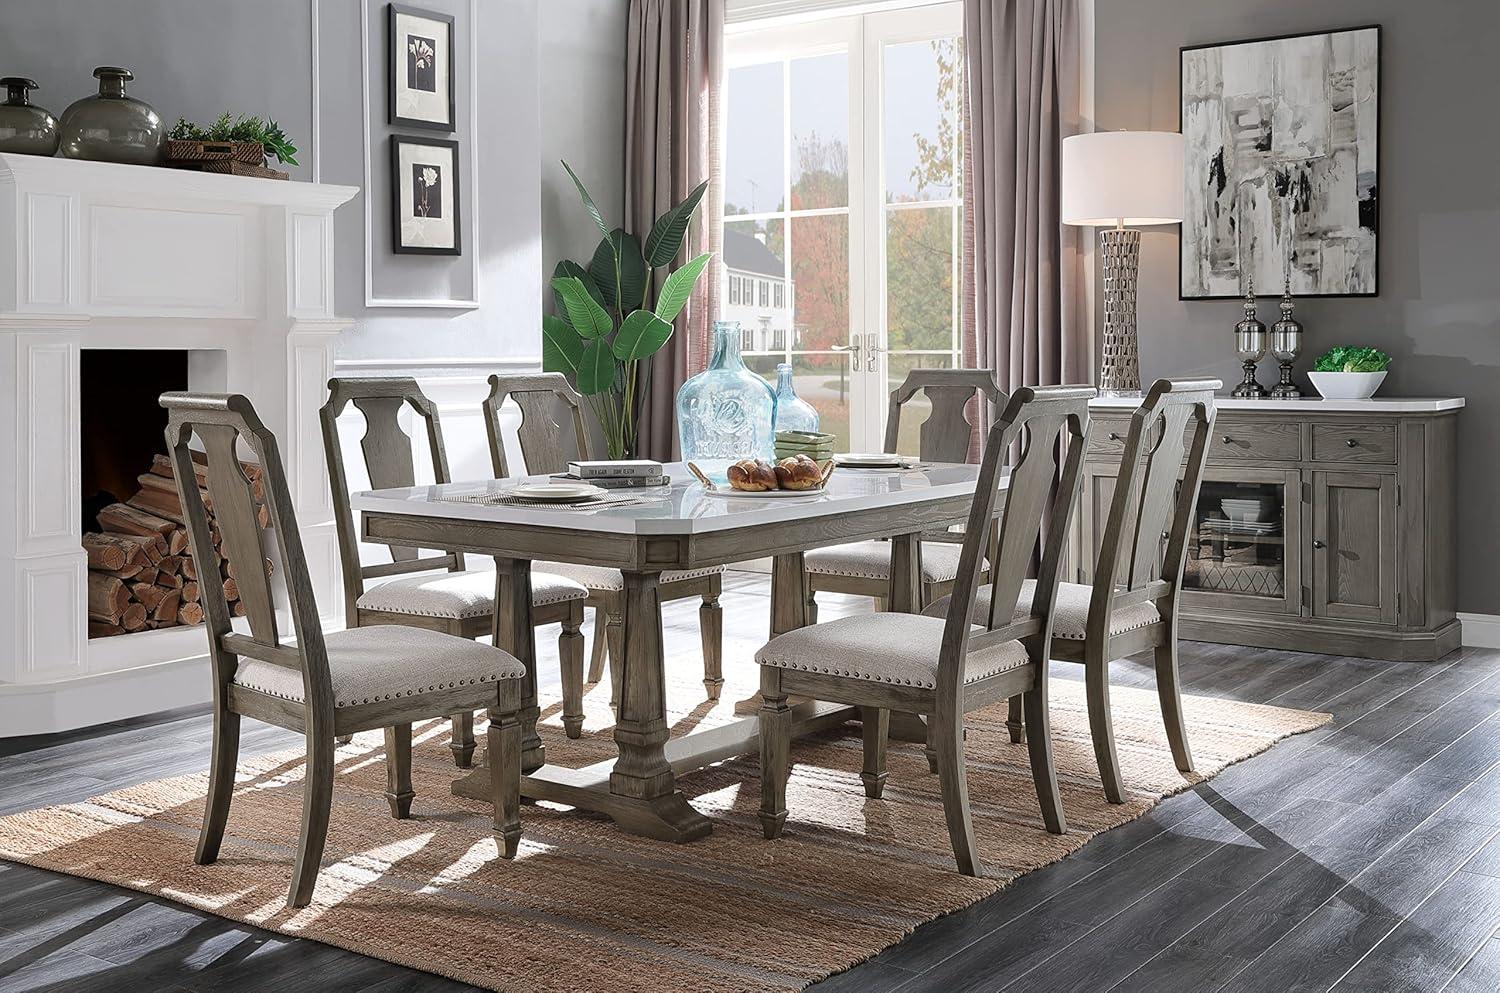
1309, 405
682, 507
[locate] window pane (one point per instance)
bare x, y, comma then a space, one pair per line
820, 281
823, 381
755, 262
755, 158
820, 131
914, 412
919, 278
922, 85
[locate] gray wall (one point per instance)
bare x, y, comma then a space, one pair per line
195, 58
1438, 312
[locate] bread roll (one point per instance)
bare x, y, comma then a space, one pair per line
752, 475
798, 472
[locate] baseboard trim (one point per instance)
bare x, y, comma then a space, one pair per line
1480, 630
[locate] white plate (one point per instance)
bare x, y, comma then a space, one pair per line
556, 492
870, 460
726, 491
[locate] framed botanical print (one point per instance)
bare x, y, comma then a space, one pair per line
425, 207
1282, 164
421, 68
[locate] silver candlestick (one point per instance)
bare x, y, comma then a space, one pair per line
1250, 347
1286, 345
1120, 368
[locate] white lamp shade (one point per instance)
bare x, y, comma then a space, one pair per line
1134, 176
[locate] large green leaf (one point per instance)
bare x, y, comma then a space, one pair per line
596, 368
623, 286
667, 233
588, 201
678, 287
562, 347
642, 334
584, 313
567, 267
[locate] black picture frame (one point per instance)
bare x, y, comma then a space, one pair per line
398, 214
1379, 149
395, 60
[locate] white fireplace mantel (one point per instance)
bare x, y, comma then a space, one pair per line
98, 255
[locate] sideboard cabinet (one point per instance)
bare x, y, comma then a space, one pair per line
1321, 526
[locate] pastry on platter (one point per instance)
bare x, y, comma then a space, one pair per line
752, 475
798, 472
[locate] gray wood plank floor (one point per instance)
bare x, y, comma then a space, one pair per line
1362, 856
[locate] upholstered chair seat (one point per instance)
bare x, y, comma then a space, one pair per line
387, 662
1070, 618
597, 577
872, 560
461, 595
901, 649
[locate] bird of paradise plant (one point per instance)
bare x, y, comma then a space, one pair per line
607, 325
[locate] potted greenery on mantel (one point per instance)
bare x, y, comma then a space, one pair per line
607, 326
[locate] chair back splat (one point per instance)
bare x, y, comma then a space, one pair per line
220, 422
1144, 544
944, 436
389, 463
1047, 424
546, 402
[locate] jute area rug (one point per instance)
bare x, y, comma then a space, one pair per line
586, 906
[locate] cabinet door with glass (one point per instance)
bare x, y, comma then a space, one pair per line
1244, 542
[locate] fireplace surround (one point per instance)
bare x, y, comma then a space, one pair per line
235, 270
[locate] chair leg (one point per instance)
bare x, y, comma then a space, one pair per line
775, 753
317, 801
398, 791
570, 659
504, 740
882, 604
462, 745
931, 747
1101, 727
1013, 722
226, 751
614, 630
1043, 768
812, 606
711, 627
596, 661
1171, 704
876, 723
949, 737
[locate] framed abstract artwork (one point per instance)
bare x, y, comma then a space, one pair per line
1282, 165
420, 61
425, 218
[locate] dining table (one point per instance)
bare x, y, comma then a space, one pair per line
642, 533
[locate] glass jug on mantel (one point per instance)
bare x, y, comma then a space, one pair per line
726, 412
792, 412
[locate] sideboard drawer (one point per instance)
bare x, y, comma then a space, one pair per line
1236, 441
1354, 443
1107, 435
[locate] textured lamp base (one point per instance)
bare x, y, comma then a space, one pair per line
1120, 367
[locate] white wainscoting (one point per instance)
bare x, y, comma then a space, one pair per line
1480, 630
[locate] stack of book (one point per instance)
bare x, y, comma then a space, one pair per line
814, 444
616, 474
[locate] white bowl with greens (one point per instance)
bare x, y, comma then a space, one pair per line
1349, 372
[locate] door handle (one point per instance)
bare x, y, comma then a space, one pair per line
853, 349
872, 350
1318, 543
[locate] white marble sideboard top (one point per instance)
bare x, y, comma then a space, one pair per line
1311, 405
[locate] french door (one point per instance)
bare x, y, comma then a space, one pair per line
843, 212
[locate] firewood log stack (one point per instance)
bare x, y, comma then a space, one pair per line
142, 574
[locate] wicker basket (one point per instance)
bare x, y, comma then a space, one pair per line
234, 158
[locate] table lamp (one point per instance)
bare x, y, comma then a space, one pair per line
1115, 179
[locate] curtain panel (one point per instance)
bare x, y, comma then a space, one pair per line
673, 80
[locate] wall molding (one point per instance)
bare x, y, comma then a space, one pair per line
479, 365
471, 235
314, 162
1480, 630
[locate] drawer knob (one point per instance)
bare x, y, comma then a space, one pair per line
1114, 436
1318, 544
1352, 443
1227, 440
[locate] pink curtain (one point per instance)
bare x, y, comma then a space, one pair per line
673, 80
1023, 274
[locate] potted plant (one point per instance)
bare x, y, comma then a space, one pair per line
235, 145
617, 312
1347, 372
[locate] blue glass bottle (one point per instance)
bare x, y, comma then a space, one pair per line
726, 412
792, 412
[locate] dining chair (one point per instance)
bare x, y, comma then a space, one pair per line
456, 601
945, 667
863, 568
323, 685
550, 412
1143, 548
